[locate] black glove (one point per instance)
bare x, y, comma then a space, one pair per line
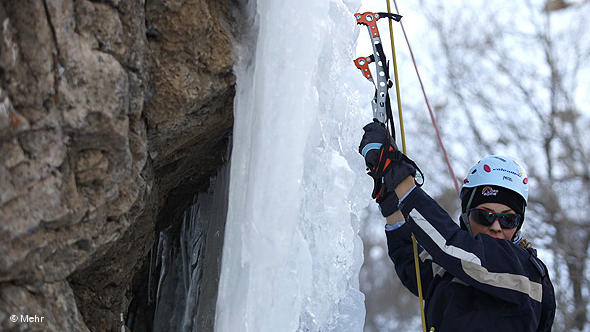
385, 164
388, 204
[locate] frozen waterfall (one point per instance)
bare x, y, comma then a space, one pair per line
184, 264
292, 253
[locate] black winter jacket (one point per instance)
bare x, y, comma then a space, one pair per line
469, 283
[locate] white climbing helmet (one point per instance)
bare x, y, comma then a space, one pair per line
498, 171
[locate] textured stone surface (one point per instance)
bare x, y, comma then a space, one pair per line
52, 303
191, 82
112, 113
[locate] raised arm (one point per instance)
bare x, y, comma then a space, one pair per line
494, 266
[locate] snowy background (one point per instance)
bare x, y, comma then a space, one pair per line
509, 78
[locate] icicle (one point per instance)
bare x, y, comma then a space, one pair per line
150, 271
153, 266
183, 252
163, 269
196, 234
122, 323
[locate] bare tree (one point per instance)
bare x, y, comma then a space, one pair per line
513, 73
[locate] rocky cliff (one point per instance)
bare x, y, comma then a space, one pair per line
113, 115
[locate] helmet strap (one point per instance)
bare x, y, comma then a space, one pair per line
465, 215
517, 237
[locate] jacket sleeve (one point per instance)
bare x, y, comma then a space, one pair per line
401, 252
494, 266
548, 303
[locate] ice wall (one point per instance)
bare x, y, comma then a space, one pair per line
292, 255
185, 263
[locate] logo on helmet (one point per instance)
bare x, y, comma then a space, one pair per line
519, 174
489, 191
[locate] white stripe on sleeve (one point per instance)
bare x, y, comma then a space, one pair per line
471, 264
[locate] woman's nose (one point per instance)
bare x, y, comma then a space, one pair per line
495, 227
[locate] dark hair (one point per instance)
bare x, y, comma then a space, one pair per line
525, 243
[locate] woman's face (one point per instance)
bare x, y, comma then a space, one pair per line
494, 230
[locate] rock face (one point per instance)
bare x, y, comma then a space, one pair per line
113, 114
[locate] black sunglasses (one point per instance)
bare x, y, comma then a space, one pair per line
487, 218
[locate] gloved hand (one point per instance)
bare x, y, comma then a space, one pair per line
388, 204
385, 164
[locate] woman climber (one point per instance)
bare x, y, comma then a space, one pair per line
479, 276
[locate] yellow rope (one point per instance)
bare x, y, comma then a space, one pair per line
401, 124
399, 101
419, 282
